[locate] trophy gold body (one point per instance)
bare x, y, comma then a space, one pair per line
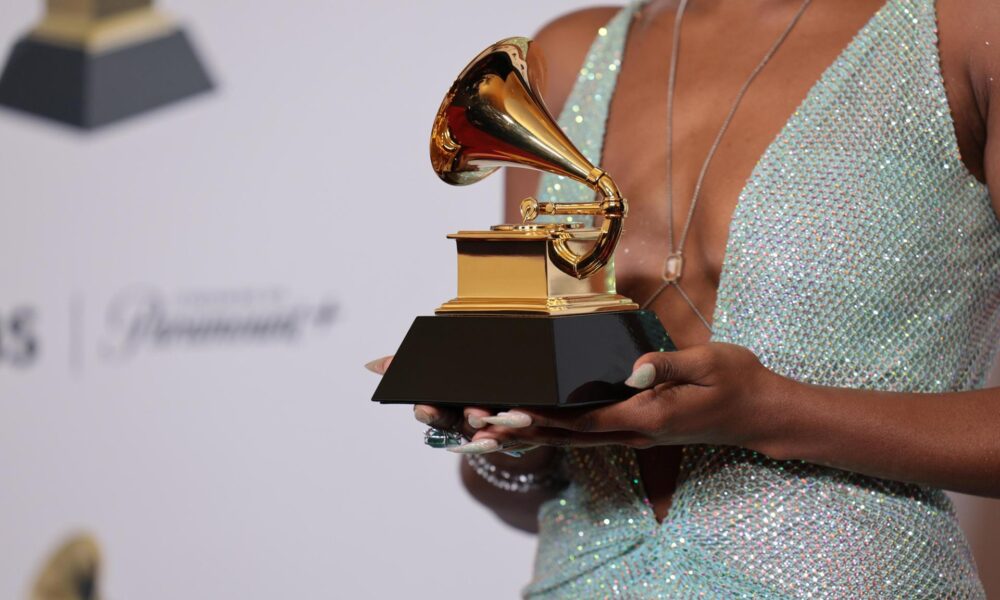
92, 62
537, 320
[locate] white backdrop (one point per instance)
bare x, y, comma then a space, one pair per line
296, 201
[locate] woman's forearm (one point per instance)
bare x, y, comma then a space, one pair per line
721, 394
947, 440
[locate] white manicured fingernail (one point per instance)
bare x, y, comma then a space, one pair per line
378, 366
514, 419
477, 447
642, 377
476, 422
422, 415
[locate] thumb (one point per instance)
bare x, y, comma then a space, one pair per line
681, 366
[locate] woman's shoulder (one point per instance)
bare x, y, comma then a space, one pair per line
578, 22
564, 42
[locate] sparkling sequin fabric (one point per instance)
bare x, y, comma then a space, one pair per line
861, 254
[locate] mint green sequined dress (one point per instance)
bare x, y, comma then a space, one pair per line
862, 254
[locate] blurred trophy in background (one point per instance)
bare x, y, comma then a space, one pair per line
537, 320
71, 573
91, 62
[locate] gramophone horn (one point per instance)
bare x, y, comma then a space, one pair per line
493, 116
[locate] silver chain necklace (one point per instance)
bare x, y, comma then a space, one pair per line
673, 264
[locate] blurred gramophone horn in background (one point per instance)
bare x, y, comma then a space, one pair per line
71, 573
91, 62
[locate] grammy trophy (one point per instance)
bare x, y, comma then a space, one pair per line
537, 320
88, 63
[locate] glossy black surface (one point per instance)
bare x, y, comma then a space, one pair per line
88, 90
503, 361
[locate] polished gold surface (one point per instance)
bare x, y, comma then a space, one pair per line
554, 306
95, 8
541, 228
512, 269
493, 116
101, 25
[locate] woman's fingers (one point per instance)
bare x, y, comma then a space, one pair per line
543, 436
432, 416
640, 413
646, 412
476, 417
514, 419
660, 375
437, 417
466, 421
633, 422
500, 438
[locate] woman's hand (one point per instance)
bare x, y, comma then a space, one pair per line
721, 394
467, 421
519, 509
449, 419
714, 393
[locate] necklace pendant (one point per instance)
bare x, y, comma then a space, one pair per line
673, 267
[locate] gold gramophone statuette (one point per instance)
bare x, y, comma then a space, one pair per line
537, 320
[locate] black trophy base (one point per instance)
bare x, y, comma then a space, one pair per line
88, 90
506, 361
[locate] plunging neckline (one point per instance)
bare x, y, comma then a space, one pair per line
824, 79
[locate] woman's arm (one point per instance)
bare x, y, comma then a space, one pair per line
721, 394
949, 441
517, 509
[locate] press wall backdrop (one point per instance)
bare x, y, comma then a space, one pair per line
187, 299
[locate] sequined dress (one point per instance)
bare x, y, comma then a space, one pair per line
862, 254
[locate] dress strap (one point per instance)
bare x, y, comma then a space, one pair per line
585, 114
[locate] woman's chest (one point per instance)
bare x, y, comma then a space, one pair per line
714, 144
836, 214
817, 137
